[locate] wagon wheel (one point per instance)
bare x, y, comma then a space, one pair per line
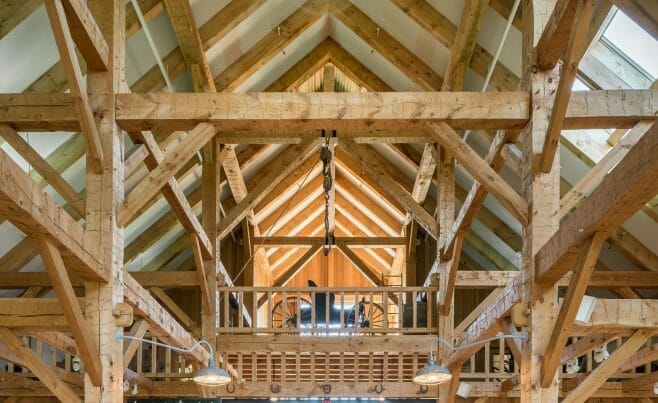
370, 315
290, 320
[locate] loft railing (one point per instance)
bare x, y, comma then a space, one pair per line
328, 310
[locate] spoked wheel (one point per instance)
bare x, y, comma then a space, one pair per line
290, 319
369, 315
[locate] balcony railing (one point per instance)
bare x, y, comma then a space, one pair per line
328, 310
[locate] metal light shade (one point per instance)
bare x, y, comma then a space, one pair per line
211, 375
432, 374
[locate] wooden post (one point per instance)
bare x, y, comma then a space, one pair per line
210, 219
446, 209
104, 192
542, 192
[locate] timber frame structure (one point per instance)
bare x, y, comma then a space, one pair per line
203, 213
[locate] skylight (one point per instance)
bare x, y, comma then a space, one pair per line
634, 42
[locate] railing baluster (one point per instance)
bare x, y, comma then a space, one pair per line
400, 313
487, 360
414, 302
168, 362
140, 358
327, 306
284, 310
254, 309
385, 313
227, 295
342, 312
240, 305
501, 352
313, 308
356, 311
154, 361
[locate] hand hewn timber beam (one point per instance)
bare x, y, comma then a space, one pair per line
361, 136
52, 260
370, 165
607, 368
189, 41
587, 109
480, 170
285, 164
41, 313
38, 367
177, 279
34, 212
630, 185
270, 45
323, 344
426, 168
64, 41
353, 242
86, 34
251, 111
599, 279
164, 171
557, 33
574, 50
578, 285
621, 314
173, 192
35, 160
464, 44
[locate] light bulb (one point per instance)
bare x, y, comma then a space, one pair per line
572, 366
135, 390
601, 354
75, 364
126, 385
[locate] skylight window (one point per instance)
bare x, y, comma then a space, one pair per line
637, 44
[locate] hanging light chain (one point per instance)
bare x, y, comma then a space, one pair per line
326, 157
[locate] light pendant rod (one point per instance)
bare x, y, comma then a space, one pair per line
208, 376
120, 336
